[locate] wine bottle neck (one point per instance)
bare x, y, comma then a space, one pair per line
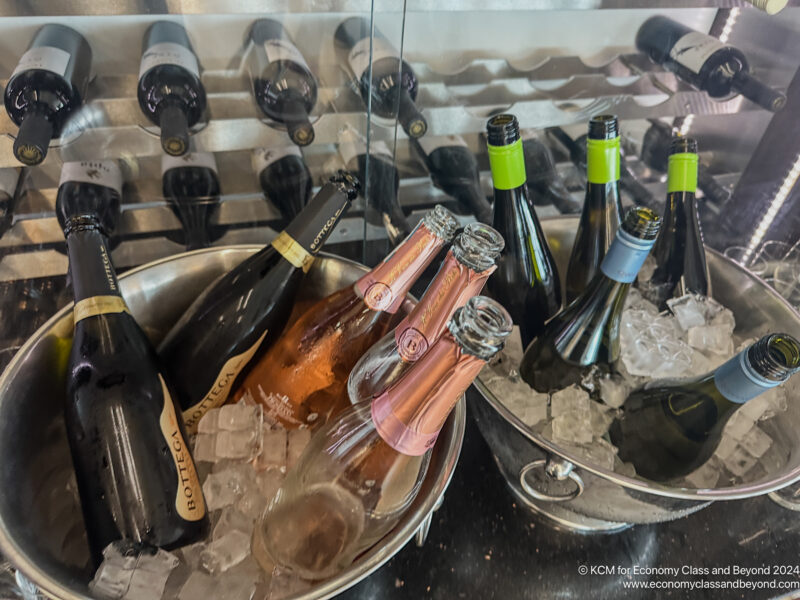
761, 94
625, 257
410, 414
682, 173
507, 164
739, 382
602, 161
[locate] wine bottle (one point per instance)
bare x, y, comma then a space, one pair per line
703, 62
391, 81
655, 150
587, 331
669, 428
191, 186
10, 184
454, 170
48, 85
284, 178
283, 85
361, 472
302, 379
135, 472
602, 208
170, 92
381, 187
545, 185
93, 186
679, 253
461, 276
527, 280
245, 310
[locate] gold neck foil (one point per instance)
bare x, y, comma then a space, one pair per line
292, 251
99, 305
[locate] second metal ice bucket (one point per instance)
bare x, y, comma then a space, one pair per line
580, 496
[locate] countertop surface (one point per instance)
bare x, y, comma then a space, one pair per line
484, 544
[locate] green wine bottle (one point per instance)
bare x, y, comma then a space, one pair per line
669, 428
587, 331
679, 252
526, 281
602, 207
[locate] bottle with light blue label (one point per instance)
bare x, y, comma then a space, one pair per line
669, 428
587, 331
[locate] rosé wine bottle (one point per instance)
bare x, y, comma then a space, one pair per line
462, 275
301, 380
361, 471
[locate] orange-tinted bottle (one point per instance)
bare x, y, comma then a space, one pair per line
301, 380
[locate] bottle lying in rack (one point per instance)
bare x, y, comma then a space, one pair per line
587, 331
283, 85
454, 170
48, 86
245, 310
393, 85
380, 191
669, 428
284, 178
135, 471
703, 62
461, 276
361, 472
545, 185
10, 189
170, 92
527, 280
679, 253
302, 379
191, 186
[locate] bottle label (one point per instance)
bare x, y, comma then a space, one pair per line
98, 172
45, 58
359, 54
98, 305
429, 143
189, 501
169, 53
508, 166
738, 381
8, 181
625, 257
682, 172
261, 158
191, 159
694, 49
602, 161
221, 388
288, 247
282, 49
352, 144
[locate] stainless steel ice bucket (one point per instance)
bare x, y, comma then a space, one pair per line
33, 445
580, 496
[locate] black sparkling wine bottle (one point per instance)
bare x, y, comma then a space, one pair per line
586, 332
393, 85
283, 85
526, 281
602, 207
245, 310
135, 472
454, 170
93, 186
284, 178
11, 181
191, 186
703, 62
170, 92
47, 86
545, 185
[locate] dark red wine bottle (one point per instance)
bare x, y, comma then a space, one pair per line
244, 311
191, 186
284, 178
47, 86
283, 85
170, 92
454, 170
393, 84
545, 185
10, 189
703, 62
135, 472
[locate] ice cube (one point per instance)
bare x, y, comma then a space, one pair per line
284, 584
243, 444
624, 468
122, 553
223, 488
756, 442
248, 570
151, 575
209, 422
569, 399
600, 418
268, 483
573, 427
199, 585
689, 310
613, 391
252, 504
735, 458
636, 301
177, 579
205, 447
273, 449
739, 425
191, 554
706, 476
297, 441
131, 572
599, 453
712, 338
238, 417
231, 519
111, 580
225, 552
235, 588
